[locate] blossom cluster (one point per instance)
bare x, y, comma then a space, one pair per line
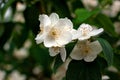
57, 32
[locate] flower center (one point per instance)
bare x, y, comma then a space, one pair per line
84, 47
56, 49
41, 29
85, 30
54, 33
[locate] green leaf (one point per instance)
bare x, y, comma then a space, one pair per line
106, 23
31, 20
61, 7
83, 14
8, 28
117, 61
41, 56
19, 38
107, 50
5, 7
80, 70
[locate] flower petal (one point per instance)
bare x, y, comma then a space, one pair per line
96, 32
63, 53
64, 38
65, 24
90, 58
39, 38
53, 51
77, 53
87, 26
75, 34
44, 20
83, 37
95, 49
49, 42
54, 18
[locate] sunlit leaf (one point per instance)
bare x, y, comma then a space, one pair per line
83, 14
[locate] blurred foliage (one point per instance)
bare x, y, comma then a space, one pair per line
17, 26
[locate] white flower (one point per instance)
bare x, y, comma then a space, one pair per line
21, 53
86, 50
2, 75
56, 50
105, 77
15, 75
90, 4
37, 70
85, 31
55, 32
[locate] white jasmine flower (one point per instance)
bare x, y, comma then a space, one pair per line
20, 6
86, 50
112, 10
115, 8
18, 17
2, 75
117, 27
90, 4
21, 53
74, 34
56, 50
55, 32
105, 77
37, 70
85, 31
15, 75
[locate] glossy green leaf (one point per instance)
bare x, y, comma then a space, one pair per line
80, 70
106, 23
107, 50
83, 14
6, 6
8, 28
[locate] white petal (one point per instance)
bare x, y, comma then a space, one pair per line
49, 42
39, 38
65, 24
53, 51
75, 34
84, 37
44, 20
76, 53
63, 53
64, 38
96, 32
87, 26
54, 18
90, 58
95, 49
